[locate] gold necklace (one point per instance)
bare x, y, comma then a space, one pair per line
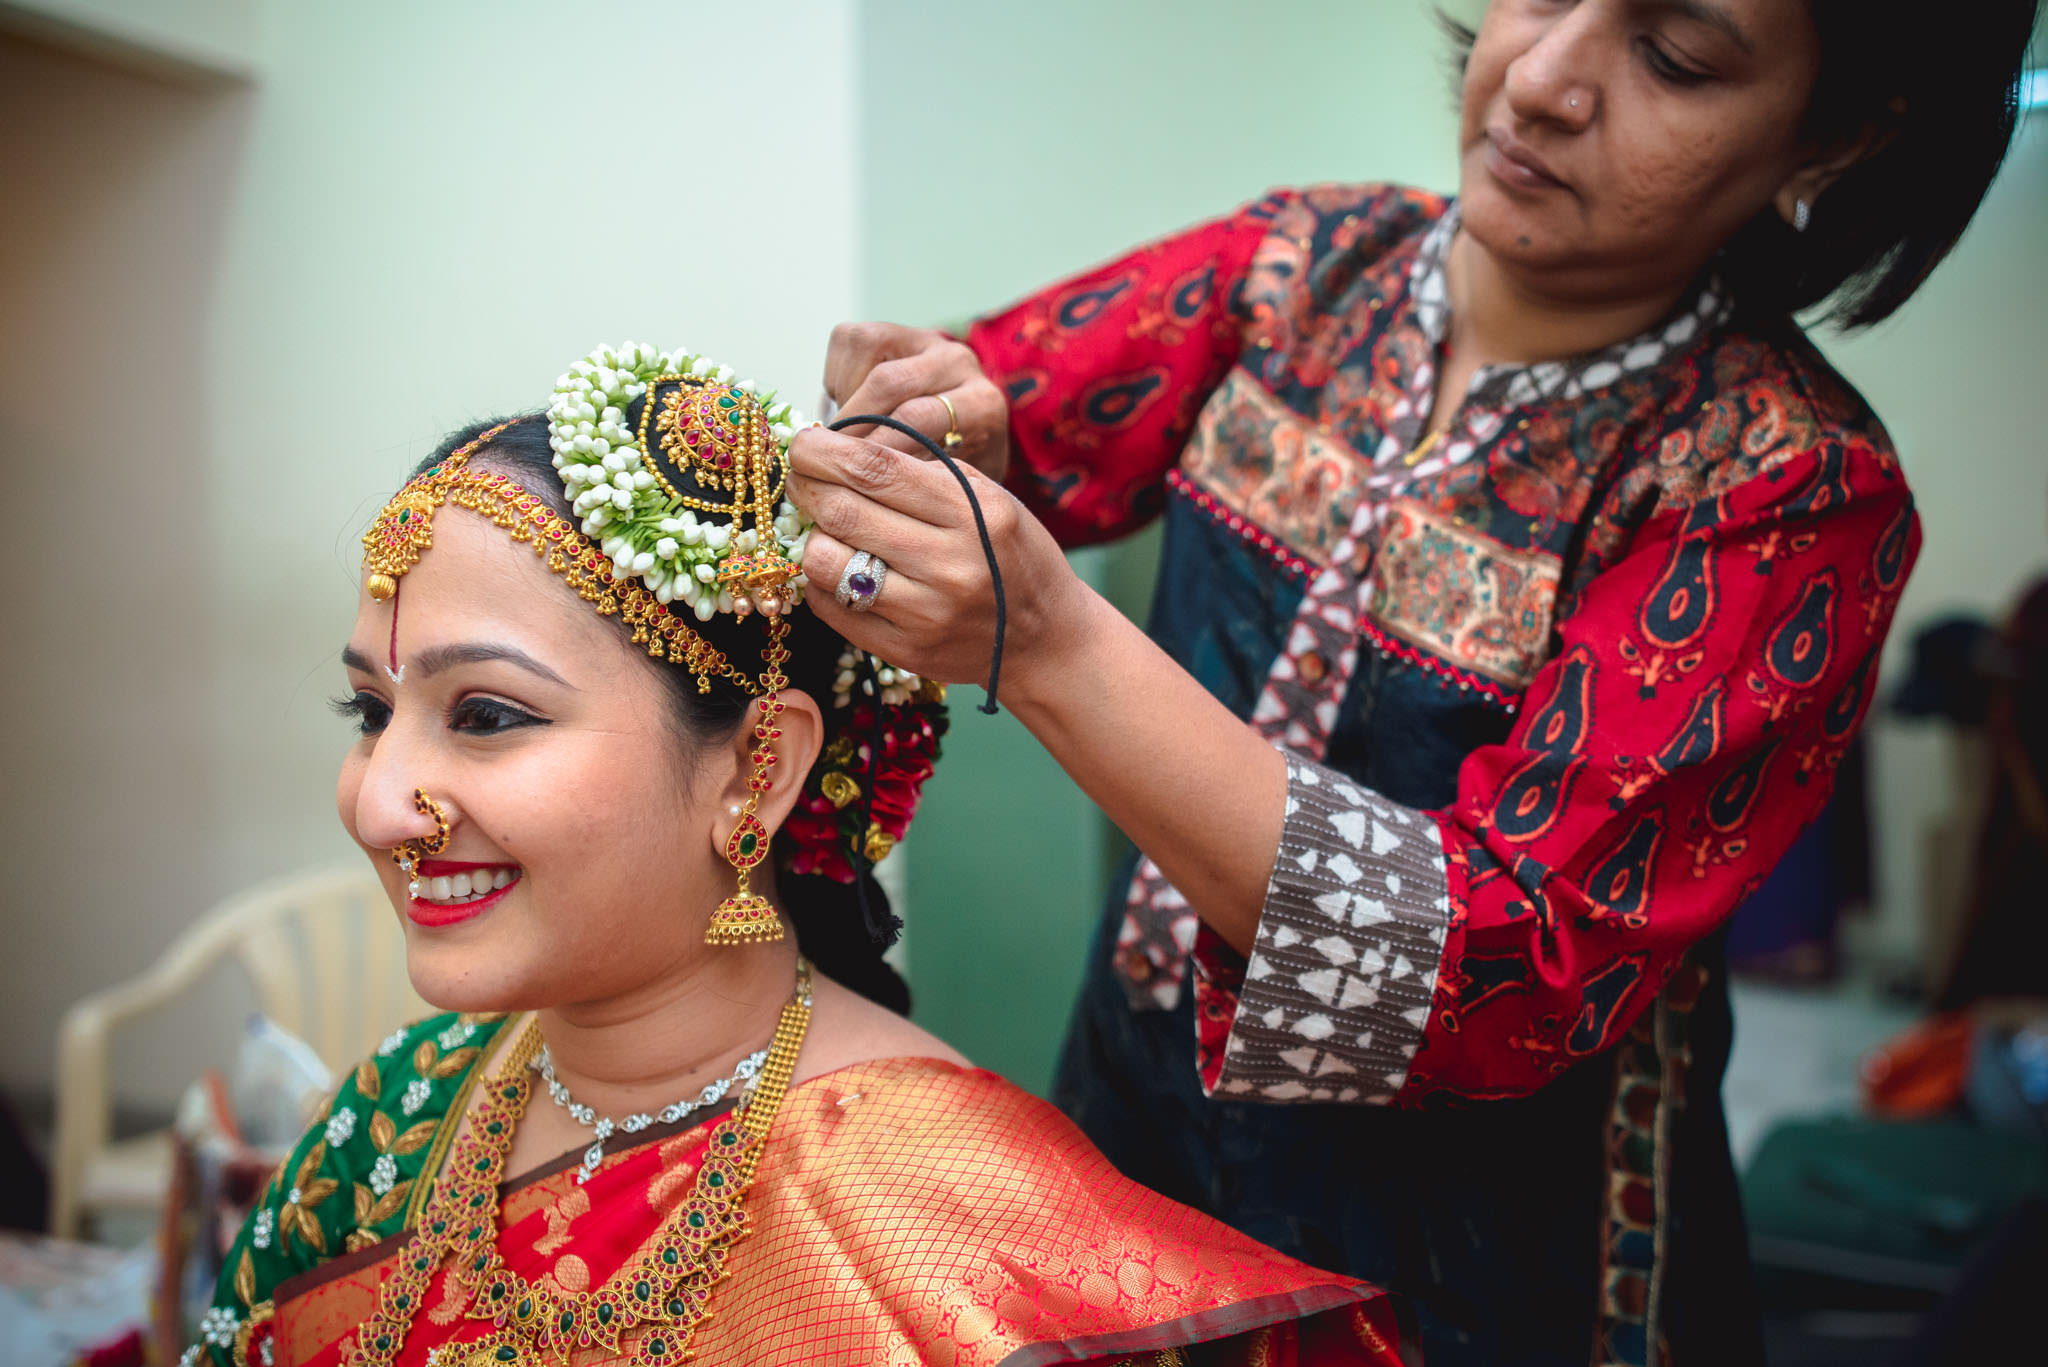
663, 1293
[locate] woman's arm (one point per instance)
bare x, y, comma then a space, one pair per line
1485, 948
1128, 724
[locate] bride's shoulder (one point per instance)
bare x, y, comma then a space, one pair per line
847, 1028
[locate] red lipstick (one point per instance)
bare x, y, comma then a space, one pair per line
434, 914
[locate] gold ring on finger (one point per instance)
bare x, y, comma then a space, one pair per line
953, 437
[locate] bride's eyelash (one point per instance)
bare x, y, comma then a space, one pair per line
476, 715
369, 712
489, 716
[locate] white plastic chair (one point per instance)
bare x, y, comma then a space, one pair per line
328, 961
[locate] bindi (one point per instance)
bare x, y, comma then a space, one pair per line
392, 668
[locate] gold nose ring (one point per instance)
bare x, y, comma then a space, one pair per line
407, 854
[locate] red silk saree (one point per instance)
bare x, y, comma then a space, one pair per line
904, 1211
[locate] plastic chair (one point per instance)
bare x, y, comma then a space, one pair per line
328, 961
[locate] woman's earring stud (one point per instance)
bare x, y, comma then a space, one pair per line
1802, 214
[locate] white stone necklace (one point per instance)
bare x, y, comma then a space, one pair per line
544, 1064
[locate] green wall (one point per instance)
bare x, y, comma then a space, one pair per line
1003, 147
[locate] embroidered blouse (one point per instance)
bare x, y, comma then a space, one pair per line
1555, 690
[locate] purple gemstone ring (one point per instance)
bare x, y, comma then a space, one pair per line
860, 583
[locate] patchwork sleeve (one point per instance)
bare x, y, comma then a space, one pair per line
1106, 372
1687, 730
1337, 989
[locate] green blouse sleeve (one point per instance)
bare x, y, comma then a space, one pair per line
351, 1179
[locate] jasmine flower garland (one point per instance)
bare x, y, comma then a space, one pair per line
628, 508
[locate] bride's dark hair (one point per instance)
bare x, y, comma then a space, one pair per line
826, 914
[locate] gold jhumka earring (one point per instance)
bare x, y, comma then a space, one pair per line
746, 917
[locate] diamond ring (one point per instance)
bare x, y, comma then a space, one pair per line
860, 583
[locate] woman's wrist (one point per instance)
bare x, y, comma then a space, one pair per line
1059, 647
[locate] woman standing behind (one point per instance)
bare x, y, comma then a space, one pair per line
1525, 575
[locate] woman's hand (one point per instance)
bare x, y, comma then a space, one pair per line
935, 613
899, 372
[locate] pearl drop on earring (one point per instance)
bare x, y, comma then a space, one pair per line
735, 809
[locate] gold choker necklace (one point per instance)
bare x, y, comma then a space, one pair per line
660, 1297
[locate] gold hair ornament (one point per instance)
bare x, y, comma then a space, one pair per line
405, 530
704, 522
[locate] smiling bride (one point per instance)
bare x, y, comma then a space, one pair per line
625, 792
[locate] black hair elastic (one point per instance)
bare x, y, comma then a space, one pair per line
988, 550
881, 931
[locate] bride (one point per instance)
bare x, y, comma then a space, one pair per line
626, 795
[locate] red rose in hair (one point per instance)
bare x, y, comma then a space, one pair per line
825, 833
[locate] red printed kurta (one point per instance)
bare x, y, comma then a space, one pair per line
1668, 567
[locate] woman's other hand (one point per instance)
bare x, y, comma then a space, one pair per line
935, 612
900, 372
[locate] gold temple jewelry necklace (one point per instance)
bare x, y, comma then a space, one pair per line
663, 1293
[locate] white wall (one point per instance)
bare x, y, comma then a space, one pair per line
229, 322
